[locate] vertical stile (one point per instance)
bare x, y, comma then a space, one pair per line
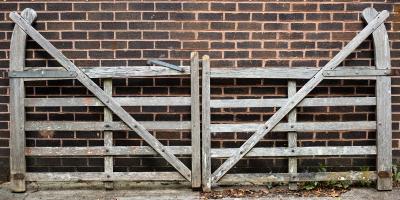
383, 104
108, 136
17, 108
206, 135
292, 136
195, 119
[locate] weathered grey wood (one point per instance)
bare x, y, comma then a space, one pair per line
299, 96
206, 123
17, 110
284, 72
259, 179
101, 95
307, 102
297, 127
292, 136
101, 176
195, 119
123, 101
102, 151
41, 74
120, 71
103, 126
108, 136
361, 72
383, 104
297, 151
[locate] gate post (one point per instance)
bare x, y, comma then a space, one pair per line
195, 119
383, 104
17, 108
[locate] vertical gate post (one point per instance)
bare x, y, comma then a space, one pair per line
205, 130
292, 136
383, 104
17, 108
108, 137
195, 119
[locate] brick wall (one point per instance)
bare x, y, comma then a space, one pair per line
234, 34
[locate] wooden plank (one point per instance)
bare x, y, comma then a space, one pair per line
383, 105
165, 64
108, 136
123, 101
284, 72
307, 102
195, 119
361, 72
103, 151
259, 178
41, 74
297, 151
17, 109
299, 96
102, 96
205, 128
120, 71
292, 136
101, 176
104, 126
297, 127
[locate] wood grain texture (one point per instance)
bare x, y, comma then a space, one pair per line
108, 136
206, 123
195, 119
260, 179
299, 96
383, 102
292, 135
17, 109
102, 96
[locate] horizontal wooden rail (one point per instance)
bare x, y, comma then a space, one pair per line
298, 126
100, 72
279, 102
123, 101
261, 178
101, 176
298, 151
102, 151
364, 72
103, 126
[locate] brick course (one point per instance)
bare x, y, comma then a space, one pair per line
234, 34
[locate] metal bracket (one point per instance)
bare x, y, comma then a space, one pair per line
41, 74
165, 64
384, 174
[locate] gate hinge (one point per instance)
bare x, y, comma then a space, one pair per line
18, 176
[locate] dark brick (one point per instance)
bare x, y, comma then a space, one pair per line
181, 16
209, 36
210, 16
302, 45
330, 7
223, 6
101, 54
222, 45
195, 6
168, 44
128, 54
87, 45
236, 54
59, 6
303, 26
101, 16
74, 35
236, 36
86, 25
264, 16
127, 16
86, 6
222, 25
142, 25
155, 16
168, 6
305, 7
318, 16
113, 44
35, 6
237, 16
141, 45
154, 54
113, 6
291, 16
128, 35
330, 26
73, 16
114, 25
168, 26
276, 26
277, 7
250, 7
155, 35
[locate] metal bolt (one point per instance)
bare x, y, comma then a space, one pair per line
107, 150
292, 150
108, 176
107, 126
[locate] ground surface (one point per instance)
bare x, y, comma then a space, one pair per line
56, 191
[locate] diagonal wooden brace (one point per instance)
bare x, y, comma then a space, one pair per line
102, 96
299, 96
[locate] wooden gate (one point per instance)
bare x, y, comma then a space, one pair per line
297, 98
103, 97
